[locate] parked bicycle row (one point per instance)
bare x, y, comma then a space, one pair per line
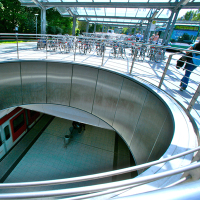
98, 46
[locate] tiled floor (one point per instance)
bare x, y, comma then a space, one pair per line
87, 153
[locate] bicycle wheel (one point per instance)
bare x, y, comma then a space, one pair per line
158, 57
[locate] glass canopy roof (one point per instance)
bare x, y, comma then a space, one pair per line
115, 11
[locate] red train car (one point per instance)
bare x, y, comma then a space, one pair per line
13, 126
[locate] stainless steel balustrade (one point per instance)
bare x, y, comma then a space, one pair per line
96, 188
60, 83
94, 176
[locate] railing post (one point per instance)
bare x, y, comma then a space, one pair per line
194, 98
17, 46
74, 49
165, 70
134, 57
103, 55
46, 45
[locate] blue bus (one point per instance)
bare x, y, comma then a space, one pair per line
182, 36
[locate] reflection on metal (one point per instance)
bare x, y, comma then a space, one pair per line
59, 83
33, 76
140, 114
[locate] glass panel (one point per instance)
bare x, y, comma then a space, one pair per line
69, 0
100, 11
54, 0
138, 1
163, 1
120, 1
84, 0
63, 10
121, 12
101, 0
110, 11
81, 11
165, 13
81, 19
142, 12
18, 122
90, 11
120, 20
7, 132
25, 1
93, 19
131, 12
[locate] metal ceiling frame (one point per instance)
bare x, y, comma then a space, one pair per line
169, 5
154, 9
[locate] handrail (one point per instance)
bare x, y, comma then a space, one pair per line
96, 176
116, 186
96, 188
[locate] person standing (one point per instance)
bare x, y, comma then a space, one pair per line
156, 38
192, 63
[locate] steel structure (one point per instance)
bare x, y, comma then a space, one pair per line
109, 12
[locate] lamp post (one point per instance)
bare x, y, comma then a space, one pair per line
36, 15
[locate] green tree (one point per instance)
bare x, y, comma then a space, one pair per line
1, 6
82, 25
56, 24
12, 14
191, 16
125, 30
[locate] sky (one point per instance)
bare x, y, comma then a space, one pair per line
183, 11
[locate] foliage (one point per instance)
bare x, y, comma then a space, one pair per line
56, 24
191, 16
13, 14
77, 32
125, 30
82, 25
98, 28
1, 6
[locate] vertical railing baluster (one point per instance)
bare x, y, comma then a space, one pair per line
133, 61
165, 70
17, 46
194, 98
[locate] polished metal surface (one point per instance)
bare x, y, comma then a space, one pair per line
10, 85
137, 112
33, 76
138, 115
184, 191
163, 140
149, 127
59, 83
107, 95
129, 108
83, 87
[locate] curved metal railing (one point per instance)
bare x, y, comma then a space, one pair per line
162, 73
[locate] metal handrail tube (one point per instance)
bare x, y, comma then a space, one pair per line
95, 188
110, 191
95, 176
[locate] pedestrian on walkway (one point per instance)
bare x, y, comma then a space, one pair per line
192, 63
